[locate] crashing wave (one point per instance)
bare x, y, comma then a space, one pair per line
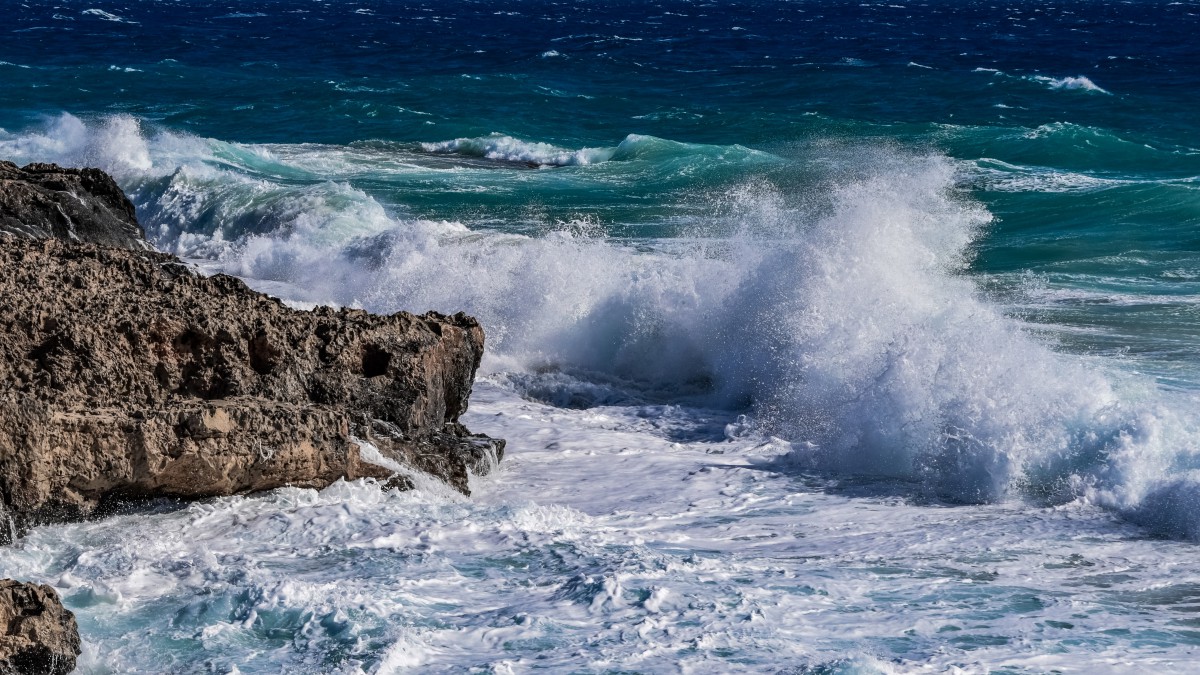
850, 328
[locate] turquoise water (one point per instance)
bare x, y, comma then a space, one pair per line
933, 262
1074, 124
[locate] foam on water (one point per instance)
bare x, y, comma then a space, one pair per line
1080, 82
107, 16
1069, 83
908, 387
115, 143
501, 147
995, 174
569, 558
634, 146
844, 321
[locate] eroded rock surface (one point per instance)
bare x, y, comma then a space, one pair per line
123, 375
45, 200
38, 636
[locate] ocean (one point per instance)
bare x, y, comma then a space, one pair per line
827, 336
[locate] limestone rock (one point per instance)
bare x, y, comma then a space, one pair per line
125, 375
38, 636
46, 200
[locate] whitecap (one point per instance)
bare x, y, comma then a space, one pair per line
507, 148
1079, 83
851, 332
107, 16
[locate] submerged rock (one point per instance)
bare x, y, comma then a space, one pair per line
125, 375
38, 636
45, 200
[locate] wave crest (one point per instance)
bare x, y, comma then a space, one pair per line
509, 149
1077, 83
500, 147
846, 323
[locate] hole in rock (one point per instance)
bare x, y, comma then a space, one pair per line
264, 357
375, 361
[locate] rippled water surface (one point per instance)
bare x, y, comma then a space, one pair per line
827, 336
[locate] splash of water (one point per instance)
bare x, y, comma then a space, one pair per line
850, 325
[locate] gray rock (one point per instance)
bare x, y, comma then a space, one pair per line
41, 201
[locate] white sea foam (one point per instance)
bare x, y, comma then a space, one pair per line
107, 16
994, 174
507, 148
699, 501
571, 557
116, 144
1080, 82
850, 330
632, 147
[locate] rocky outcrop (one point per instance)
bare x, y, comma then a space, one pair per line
38, 636
123, 375
45, 200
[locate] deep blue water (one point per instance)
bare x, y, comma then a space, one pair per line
744, 72
951, 244
1075, 123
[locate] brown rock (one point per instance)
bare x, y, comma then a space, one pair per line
45, 200
38, 636
124, 375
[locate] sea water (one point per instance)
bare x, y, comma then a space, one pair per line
827, 337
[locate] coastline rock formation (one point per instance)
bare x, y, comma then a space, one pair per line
41, 201
38, 636
125, 375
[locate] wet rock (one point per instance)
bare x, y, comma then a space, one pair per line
45, 200
38, 636
125, 375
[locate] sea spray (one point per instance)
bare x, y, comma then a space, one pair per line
842, 316
804, 368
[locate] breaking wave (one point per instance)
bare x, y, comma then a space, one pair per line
634, 146
1069, 83
1081, 83
845, 322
